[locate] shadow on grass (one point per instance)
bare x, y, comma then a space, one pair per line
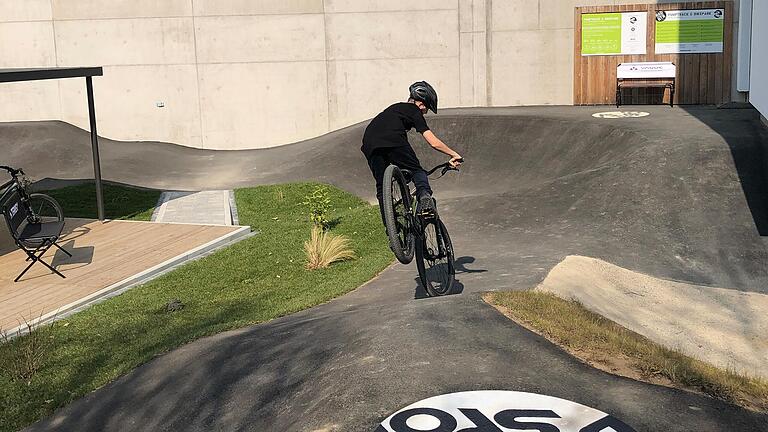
120, 202
198, 384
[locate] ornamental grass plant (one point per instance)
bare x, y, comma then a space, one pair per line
324, 248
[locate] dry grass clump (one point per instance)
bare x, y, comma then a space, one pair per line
27, 352
611, 347
324, 248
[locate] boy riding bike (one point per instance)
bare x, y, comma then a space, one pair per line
385, 142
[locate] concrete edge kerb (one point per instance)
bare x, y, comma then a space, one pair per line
161, 200
233, 208
240, 234
227, 209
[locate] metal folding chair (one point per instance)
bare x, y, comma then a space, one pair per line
33, 238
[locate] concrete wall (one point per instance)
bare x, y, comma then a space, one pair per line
234, 74
758, 93
531, 53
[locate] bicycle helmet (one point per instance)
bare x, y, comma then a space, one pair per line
423, 92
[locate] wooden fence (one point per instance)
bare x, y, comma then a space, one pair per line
701, 78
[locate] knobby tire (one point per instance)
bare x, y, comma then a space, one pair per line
397, 207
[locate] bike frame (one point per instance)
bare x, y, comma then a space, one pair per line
5, 185
417, 221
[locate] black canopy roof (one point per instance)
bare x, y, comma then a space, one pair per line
14, 75
36, 74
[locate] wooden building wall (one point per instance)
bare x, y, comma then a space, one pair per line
701, 78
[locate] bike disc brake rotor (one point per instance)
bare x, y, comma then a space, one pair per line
435, 250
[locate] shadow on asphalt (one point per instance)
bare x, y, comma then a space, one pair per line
458, 287
420, 293
747, 139
461, 263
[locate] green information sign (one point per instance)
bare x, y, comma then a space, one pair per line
613, 33
601, 33
694, 31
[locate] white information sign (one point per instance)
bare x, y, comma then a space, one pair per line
634, 29
646, 70
690, 31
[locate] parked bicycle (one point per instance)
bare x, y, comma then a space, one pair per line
412, 232
40, 207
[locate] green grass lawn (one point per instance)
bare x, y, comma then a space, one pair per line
253, 281
120, 202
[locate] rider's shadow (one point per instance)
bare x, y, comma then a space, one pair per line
461, 262
458, 287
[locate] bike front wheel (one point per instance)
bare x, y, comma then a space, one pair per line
397, 214
434, 258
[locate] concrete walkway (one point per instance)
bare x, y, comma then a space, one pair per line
207, 207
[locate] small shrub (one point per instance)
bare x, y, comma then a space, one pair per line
319, 203
324, 248
28, 352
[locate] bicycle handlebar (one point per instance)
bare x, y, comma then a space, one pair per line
12, 171
445, 166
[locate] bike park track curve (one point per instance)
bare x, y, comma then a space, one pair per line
679, 195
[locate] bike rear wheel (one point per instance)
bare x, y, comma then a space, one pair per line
44, 208
434, 258
397, 214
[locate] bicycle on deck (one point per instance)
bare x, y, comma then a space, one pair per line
422, 234
40, 207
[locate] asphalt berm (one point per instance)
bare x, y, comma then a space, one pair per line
679, 195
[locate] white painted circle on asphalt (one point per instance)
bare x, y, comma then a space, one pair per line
500, 411
423, 422
621, 114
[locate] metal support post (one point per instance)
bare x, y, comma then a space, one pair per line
95, 146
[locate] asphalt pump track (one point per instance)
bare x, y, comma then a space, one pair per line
678, 195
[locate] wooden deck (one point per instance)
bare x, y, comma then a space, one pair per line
104, 253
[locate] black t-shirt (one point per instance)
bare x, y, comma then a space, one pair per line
390, 128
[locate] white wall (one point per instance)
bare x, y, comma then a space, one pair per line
758, 93
236, 74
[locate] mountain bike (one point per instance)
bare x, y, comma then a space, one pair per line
40, 207
412, 232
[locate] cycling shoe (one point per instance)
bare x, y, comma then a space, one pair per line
426, 205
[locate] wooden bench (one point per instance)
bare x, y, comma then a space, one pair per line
646, 75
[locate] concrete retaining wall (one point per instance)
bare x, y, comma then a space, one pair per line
236, 74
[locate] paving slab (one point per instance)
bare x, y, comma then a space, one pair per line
204, 207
